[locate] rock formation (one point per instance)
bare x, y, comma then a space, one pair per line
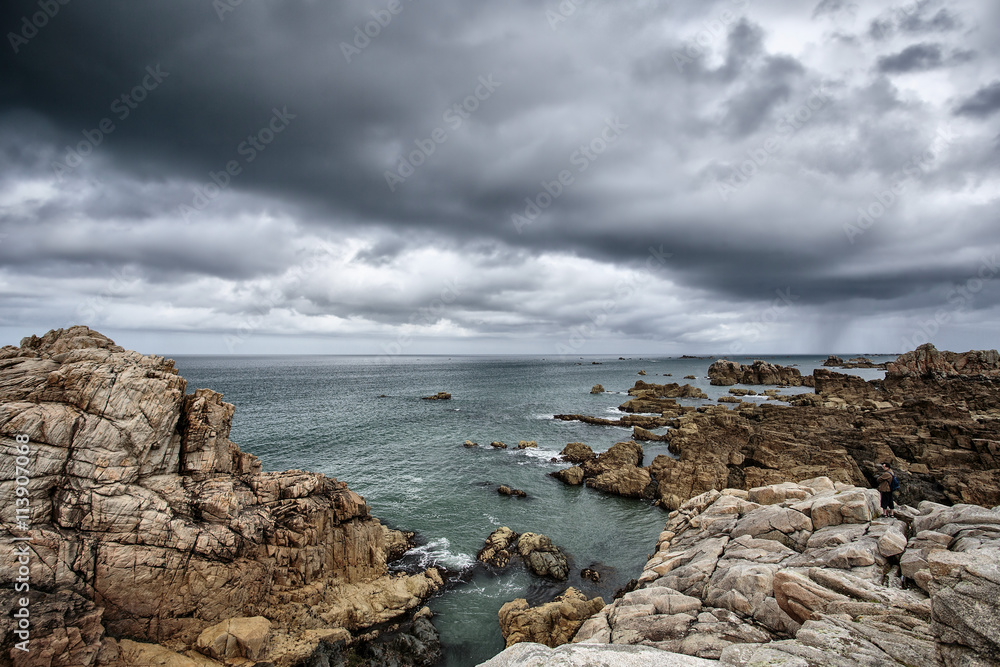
590, 655
552, 623
540, 556
725, 373
618, 471
791, 574
927, 361
527, 444
147, 522
440, 396
935, 416
499, 547
668, 409
577, 452
657, 397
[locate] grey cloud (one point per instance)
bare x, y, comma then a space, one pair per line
915, 57
690, 124
984, 102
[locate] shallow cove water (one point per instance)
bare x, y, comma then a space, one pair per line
406, 457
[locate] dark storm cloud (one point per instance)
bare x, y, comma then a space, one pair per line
201, 148
916, 57
984, 102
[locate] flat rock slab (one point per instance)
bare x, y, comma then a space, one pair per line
592, 655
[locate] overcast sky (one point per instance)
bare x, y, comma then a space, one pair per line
526, 176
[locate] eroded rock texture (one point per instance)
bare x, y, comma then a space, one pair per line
791, 574
147, 522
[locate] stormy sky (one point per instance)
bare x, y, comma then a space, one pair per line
532, 176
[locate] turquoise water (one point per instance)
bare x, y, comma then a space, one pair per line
406, 457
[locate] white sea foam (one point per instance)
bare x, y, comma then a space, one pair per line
436, 552
503, 589
535, 453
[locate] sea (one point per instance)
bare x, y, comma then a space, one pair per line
361, 420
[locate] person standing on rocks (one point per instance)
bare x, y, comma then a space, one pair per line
885, 489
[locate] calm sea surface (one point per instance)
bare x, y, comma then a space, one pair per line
405, 456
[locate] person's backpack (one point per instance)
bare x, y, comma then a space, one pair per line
894, 485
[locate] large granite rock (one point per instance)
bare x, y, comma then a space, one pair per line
658, 398
790, 574
543, 557
727, 373
539, 554
585, 655
926, 360
552, 623
148, 522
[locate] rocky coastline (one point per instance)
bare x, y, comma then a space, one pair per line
775, 551
152, 539
795, 573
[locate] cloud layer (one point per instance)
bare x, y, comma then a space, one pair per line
575, 177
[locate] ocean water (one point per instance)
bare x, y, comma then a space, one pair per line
406, 457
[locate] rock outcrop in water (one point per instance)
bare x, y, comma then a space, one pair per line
147, 522
935, 416
552, 623
926, 361
809, 574
539, 554
726, 373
